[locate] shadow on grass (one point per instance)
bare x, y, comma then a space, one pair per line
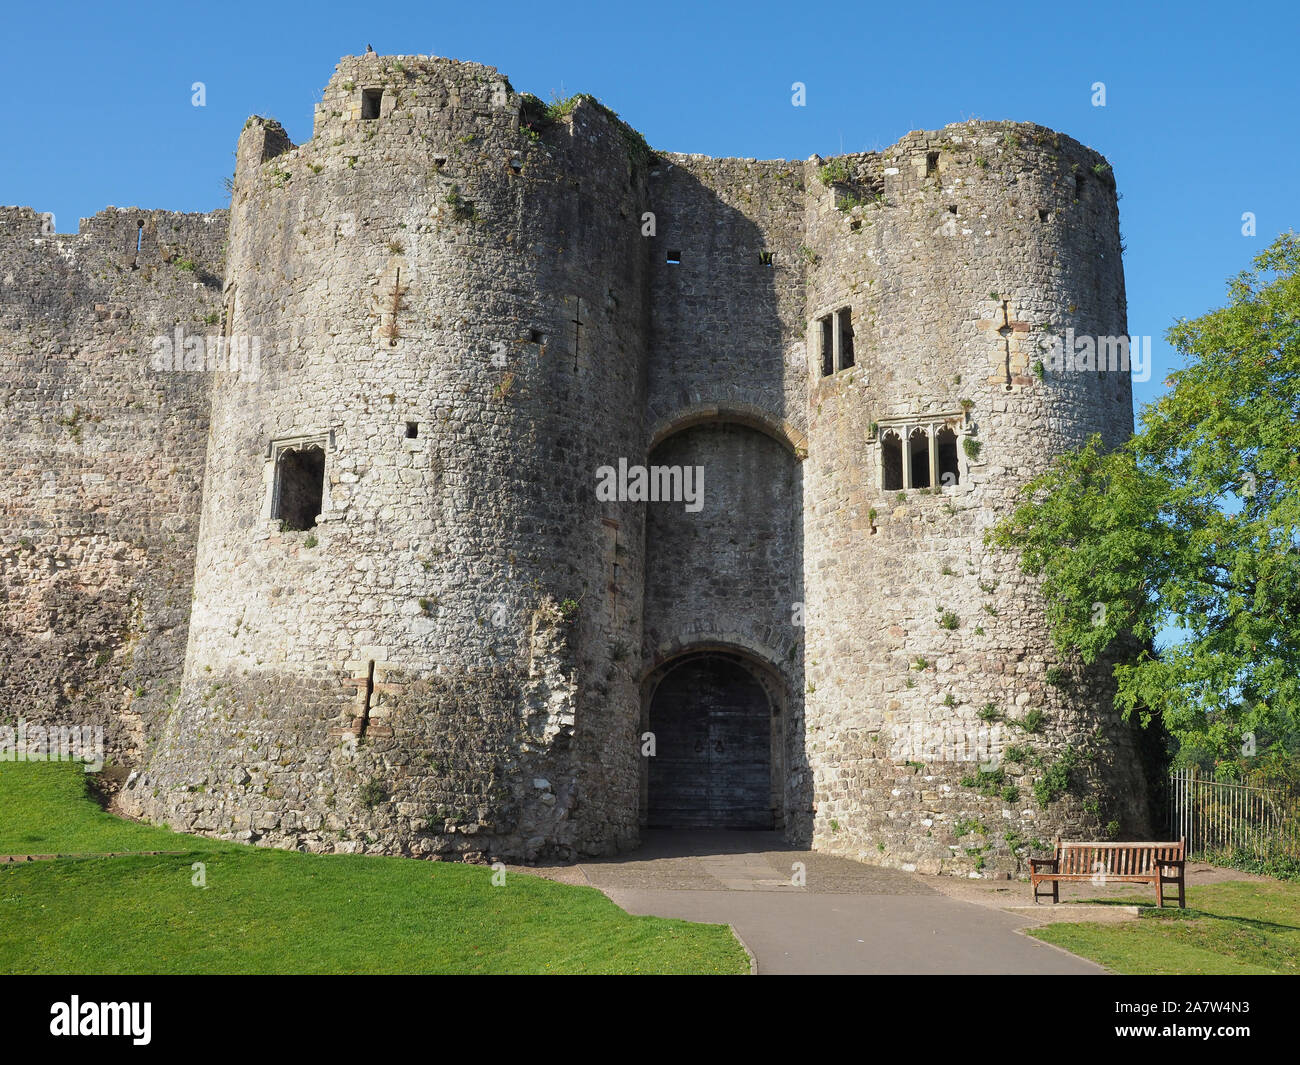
1190, 914
1147, 911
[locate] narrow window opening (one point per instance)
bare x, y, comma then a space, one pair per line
844, 319
370, 100
949, 473
1078, 186
301, 488
577, 329
397, 302
674, 257
1043, 214
918, 448
827, 345
931, 164
412, 430
366, 693
765, 258
139, 237
891, 461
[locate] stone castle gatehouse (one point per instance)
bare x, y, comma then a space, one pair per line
340, 579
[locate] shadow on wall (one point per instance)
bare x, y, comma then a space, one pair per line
723, 645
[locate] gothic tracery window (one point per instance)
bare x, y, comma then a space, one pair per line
920, 453
946, 451
891, 461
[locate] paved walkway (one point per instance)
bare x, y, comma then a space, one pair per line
846, 918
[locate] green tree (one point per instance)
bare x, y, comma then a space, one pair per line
1192, 526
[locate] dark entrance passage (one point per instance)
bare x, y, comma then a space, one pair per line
712, 723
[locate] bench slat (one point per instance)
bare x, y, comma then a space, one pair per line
1116, 859
1137, 878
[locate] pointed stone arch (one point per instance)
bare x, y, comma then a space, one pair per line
719, 715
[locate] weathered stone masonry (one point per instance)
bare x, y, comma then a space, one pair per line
101, 461
460, 319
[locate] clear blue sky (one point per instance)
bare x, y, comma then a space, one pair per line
1199, 123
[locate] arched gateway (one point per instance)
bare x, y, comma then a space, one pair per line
714, 725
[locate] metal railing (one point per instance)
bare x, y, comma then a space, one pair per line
1233, 819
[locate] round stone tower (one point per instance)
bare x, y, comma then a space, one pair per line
412, 617
944, 732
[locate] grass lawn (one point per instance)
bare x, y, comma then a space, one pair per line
266, 911
1240, 926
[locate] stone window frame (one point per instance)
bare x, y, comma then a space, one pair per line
372, 98
957, 421
816, 332
275, 450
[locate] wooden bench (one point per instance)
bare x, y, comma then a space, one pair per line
1128, 863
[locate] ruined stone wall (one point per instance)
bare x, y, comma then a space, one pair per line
446, 663
101, 458
960, 254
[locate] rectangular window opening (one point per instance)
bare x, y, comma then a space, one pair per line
931, 164
412, 430
844, 321
674, 257
300, 487
535, 336
765, 258
370, 101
